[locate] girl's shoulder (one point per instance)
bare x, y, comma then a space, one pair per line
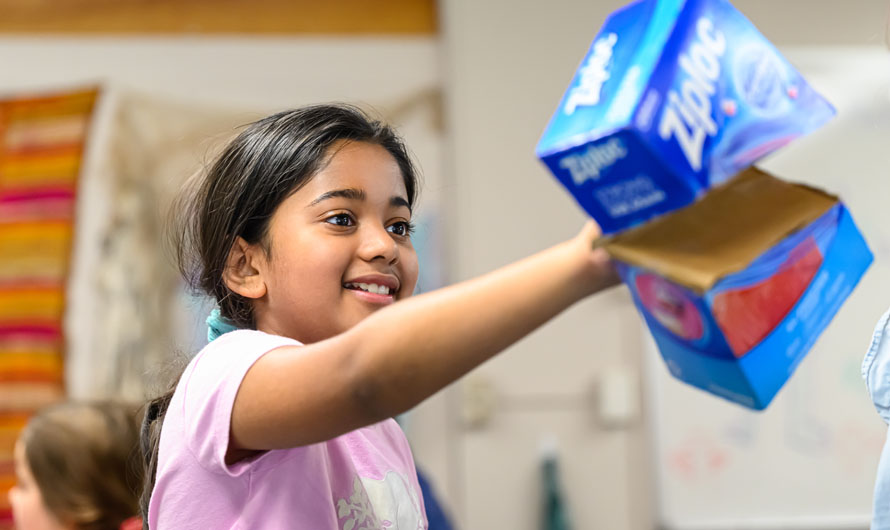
201, 408
238, 345
228, 357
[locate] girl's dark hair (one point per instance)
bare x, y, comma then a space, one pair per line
236, 197
81, 455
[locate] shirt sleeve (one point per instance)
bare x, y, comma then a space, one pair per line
876, 367
210, 386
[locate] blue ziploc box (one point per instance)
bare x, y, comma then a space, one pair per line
672, 98
737, 287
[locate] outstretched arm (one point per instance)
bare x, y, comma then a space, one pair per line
404, 353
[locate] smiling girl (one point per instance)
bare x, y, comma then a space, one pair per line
301, 231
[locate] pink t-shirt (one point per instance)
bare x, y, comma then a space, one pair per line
364, 479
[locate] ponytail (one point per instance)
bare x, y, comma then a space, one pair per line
150, 433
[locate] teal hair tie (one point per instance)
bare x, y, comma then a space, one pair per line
218, 325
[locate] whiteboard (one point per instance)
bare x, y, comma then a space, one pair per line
809, 460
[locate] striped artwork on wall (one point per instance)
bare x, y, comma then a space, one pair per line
42, 140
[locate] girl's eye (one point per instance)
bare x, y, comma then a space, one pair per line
401, 228
340, 219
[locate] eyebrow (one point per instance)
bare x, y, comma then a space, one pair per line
346, 193
356, 194
398, 201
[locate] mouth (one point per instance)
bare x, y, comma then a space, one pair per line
372, 288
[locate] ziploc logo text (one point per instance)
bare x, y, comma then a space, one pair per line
592, 162
592, 75
687, 116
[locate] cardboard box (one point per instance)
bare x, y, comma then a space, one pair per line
737, 287
672, 98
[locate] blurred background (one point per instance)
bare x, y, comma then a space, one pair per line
107, 106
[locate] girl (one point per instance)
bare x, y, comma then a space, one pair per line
75, 469
301, 232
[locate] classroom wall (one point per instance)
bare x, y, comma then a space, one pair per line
506, 64
235, 79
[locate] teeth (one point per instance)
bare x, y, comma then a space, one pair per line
371, 287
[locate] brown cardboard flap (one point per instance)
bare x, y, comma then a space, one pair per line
723, 232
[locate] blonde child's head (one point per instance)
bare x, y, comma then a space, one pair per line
77, 467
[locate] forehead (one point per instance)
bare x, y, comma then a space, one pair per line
361, 165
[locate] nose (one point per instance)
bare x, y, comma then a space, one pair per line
378, 244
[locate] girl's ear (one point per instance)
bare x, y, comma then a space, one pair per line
243, 272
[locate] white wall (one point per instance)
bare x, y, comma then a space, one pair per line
506, 66
251, 73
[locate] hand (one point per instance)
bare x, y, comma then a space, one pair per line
599, 269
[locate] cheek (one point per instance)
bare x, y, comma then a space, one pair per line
410, 270
29, 512
14, 497
313, 271
23, 509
